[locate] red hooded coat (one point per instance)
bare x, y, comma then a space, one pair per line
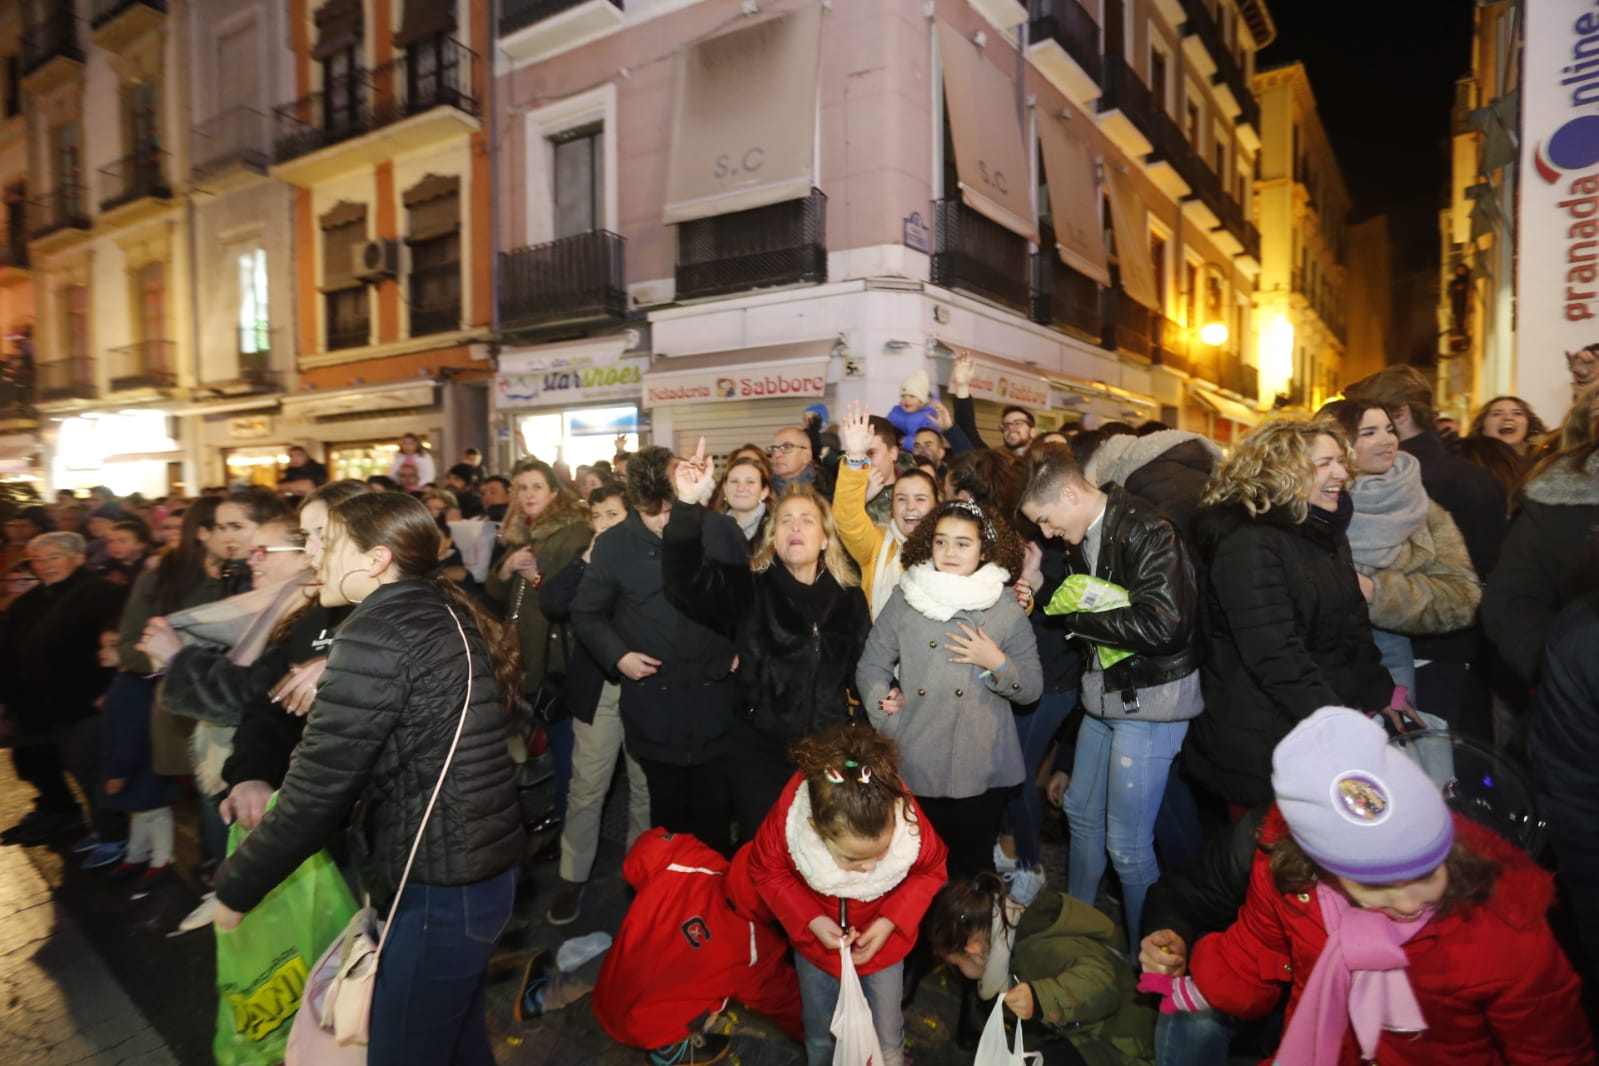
683, 951
765, 880
1492, 983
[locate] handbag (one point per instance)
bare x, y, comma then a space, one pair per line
335, 1019
548, 700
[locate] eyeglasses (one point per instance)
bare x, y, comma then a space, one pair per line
259, 554
1015, 423
785, 448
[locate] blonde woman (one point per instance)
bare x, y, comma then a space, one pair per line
796, 615
1288, 629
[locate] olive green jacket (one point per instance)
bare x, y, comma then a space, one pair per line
555, 541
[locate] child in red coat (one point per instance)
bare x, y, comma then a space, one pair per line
1410, 936
847, 857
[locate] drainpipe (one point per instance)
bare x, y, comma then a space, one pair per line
191, 462
490, 57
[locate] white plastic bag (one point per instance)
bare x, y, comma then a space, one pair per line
992, 1050
854, 1035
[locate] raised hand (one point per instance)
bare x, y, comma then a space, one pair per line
695, 482
960, 375
855, 430
941, 415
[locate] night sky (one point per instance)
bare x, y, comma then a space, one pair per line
1383, 76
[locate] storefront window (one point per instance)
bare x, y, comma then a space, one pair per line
366, 459
579, 437
256, 466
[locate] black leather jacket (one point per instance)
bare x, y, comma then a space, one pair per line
1142, 552
374, 744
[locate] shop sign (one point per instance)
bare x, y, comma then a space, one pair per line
1008, 386
780, 382
250, 427
570, 379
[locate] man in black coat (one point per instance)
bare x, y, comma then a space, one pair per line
676, 676
50, 680
1474, 499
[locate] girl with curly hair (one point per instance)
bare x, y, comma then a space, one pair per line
1287, 629
845, 860
967, 655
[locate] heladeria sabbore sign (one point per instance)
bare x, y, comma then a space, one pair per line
1557, 290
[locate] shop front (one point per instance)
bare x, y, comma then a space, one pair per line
570, 402
1221, 418
356, 432
127, 451
735, 397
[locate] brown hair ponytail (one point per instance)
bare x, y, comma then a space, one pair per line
853, 774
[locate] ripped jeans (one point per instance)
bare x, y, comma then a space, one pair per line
1118, 779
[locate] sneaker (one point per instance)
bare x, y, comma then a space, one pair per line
564, 907
200, 917
87, 844
698, 1049
126, 871
48, 827
152, 880
1003, 864
105, 854
530, 995
1023, 886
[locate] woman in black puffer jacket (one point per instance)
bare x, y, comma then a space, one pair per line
797, 616
387, 715
1285, 622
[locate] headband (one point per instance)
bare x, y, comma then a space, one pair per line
976, 514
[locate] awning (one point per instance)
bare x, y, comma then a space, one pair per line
373, 399
571, 373
1130, 219
1005, 381
990, 153
1073, 199
744, 132
1227, 408
424, 19
779, 371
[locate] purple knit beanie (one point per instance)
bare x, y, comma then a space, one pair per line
1359, 807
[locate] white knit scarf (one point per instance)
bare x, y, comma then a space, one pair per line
817, 866
942, 596
885, 578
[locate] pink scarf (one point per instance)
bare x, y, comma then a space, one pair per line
1359, 980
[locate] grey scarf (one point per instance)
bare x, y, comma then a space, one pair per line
1389, 509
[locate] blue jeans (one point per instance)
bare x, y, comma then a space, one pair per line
819, 997
1117, 783
1024, 811
1398, 658
1179, 836
1200, 1038
428, 1006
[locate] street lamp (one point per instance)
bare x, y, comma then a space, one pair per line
1214, 334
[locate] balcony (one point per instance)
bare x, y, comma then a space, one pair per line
145, 365
533, 28
60, 217
256, 344
227, 147
134, 187
51, 53
1205, 207
1125, 109
13, 260
1062, 297
16, 396
973, 253
1064, 46
1207, 50
569, 283
115, 24
1171, 161
65, 379
780, 244
1127, 324
423, 99
1239, 377
435, 299
1169, 344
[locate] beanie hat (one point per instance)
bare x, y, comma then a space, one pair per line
916, 385
1359, 807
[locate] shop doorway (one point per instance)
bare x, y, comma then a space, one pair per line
577, 438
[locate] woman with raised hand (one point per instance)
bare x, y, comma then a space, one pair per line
797, 618
876, 548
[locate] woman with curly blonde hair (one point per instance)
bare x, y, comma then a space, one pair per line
1287, 626
796, 615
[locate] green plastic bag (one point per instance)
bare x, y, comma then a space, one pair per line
262, 966
1081, 592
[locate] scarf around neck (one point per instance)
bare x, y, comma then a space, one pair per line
942, 596
1358, 982
889, 570
815, 863
751, 525
1001, 942
1389, 509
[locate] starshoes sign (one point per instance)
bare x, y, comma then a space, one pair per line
573, 375
664, 387
1557, 289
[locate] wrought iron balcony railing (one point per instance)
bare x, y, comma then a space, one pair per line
1063, 297
1170, 344
143, 365
1126, 92
519, 14
779, 244
55, 35
1228, 72
239, 136
974, 253
1127, 323
575, 279
135, 177
1068, 24
66, 379
64, 207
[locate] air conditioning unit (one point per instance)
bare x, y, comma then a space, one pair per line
376, 260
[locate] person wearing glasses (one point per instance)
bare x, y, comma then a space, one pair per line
1016, 424
793, 463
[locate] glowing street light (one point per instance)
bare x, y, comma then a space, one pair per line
1214, 334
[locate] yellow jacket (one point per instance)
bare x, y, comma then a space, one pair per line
862, 538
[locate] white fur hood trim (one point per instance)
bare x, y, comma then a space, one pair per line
815, 863
1118, 458
1563, 485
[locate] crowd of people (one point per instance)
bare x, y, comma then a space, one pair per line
847, 674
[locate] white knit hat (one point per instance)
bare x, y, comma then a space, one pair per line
916, 385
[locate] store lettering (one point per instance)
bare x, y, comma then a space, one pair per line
752, 160
1582, 240
778, 385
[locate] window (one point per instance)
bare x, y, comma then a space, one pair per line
1221, 160
1191, 287
341, 93
579, 177
67, 154
13, 85
431, 74
345, 304
238, 69
1157, 77
433, 230
141, 103
1157, 257
255, 336
75, 324
1193, 121
150, 284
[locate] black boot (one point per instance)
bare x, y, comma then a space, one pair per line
918, 964
973, 1016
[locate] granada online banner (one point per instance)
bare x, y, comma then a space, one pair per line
1557, 289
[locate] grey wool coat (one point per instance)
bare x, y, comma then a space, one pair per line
957, 732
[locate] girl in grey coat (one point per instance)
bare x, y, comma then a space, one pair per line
965, 654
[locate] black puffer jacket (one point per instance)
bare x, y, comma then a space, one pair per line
50, 672
1168, 469
1287, 632
377, 737
798, 644
1141, 551
1547, 562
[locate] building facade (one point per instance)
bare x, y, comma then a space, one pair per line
19, 445
1302, 208
1058, 189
